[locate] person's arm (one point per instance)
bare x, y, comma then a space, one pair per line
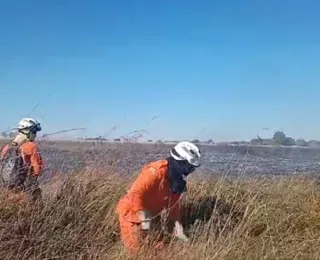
175, 217
3, 151
174, 210
36, 161
146, 181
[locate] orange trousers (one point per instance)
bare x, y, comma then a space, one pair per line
131, 235
133, 238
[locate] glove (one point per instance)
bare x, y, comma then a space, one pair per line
178, 232
145, 219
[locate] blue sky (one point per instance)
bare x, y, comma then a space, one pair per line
215, 69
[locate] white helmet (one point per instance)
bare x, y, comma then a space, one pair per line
186, 151
29, 124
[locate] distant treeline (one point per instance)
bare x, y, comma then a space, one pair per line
279, 138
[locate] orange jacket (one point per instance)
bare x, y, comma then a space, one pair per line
150, 191
30, 155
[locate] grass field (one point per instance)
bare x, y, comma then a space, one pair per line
255, 219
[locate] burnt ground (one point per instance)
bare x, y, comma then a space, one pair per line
227, 160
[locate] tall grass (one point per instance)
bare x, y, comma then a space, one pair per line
252, 219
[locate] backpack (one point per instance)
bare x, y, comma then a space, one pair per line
12, 170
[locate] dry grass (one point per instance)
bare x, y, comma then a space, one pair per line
257, 219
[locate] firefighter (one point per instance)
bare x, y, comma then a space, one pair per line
20, 161
158, 187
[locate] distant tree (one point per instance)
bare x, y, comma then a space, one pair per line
210, 141
314, 143
4, 134
259, 141
279, 137
289, 141
149, 141
255, 141
195, 141
301, 142
12, 134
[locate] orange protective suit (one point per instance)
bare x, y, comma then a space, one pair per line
34, 166
30, 155
150, 192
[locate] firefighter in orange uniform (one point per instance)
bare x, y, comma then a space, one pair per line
20, 162
158, 187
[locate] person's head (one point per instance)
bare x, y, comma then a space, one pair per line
29, 127
187, 155
184, 159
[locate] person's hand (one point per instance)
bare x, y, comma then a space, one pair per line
179, 233
145, 219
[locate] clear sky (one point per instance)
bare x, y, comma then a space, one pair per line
206, 69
